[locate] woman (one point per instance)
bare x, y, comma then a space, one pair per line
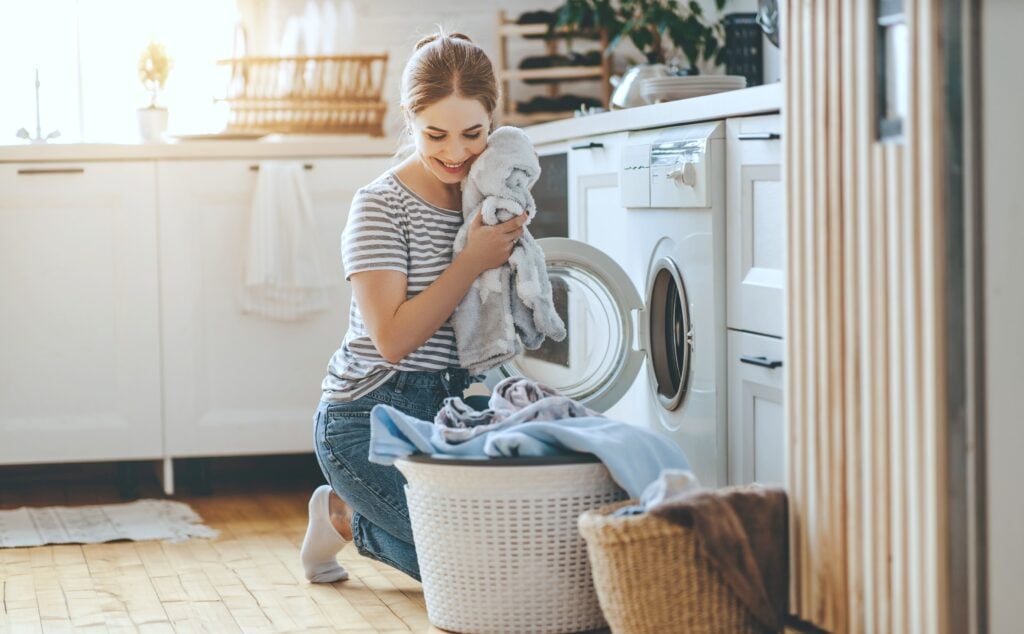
400, 349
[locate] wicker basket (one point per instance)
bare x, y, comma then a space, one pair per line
333, 94
497, 543
652, 578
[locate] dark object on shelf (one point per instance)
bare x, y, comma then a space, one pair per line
593, 58
744, 44
536, 17
562, 103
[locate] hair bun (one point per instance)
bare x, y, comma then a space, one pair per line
423, 41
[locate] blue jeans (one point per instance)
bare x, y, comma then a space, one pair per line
376, 494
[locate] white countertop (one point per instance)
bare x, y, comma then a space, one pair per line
757, 100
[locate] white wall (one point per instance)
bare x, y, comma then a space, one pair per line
1002, 22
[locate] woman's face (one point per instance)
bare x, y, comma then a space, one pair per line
449, 134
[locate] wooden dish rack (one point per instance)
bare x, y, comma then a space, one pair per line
320, 94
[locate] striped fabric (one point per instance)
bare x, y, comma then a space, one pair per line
391, 228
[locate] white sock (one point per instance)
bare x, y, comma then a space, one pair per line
322, 542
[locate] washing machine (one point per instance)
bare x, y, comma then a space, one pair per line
649, 349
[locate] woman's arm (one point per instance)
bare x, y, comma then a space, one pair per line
398, 325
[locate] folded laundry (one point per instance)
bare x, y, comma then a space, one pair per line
633, 455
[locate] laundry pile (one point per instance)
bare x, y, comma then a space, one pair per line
525, 418
511, 303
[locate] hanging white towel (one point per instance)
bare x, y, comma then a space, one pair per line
283, 278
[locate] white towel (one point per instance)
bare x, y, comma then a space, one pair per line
283, 276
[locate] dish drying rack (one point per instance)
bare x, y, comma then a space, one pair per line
317, 94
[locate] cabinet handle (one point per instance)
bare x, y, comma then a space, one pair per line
31, 171
305, 166
588, 146
759, 136
762, 361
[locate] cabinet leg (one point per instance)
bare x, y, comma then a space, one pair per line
165, 475
127, 480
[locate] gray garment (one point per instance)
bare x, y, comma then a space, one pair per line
515, 400
510, 306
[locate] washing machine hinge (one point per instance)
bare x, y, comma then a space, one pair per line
640, 330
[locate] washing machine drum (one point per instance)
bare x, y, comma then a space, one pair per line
610, 330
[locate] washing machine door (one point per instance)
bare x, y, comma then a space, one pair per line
596, 363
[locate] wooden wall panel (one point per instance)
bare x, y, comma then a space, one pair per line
864, 312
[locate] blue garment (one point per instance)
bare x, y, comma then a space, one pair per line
381, 528
634, 456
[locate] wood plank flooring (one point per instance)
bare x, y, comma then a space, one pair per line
249, 579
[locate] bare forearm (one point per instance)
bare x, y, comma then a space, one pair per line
417, 319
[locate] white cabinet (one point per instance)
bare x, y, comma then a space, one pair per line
757, 430
80, 363
237, 383
755, 225
755, 286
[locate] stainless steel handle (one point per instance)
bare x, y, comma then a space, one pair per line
764, 362
31, 171
758, 136
305, 166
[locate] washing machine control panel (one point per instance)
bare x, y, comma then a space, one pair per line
665, 171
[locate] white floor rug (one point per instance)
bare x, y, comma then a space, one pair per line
138, 521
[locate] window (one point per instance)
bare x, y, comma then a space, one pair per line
87, 52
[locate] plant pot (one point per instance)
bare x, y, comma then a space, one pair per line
152, 124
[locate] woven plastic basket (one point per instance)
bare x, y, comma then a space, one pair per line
311, 94
651, 577
497, 543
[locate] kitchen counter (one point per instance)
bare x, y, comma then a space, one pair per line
756, 100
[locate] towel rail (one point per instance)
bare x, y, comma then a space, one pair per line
305, 166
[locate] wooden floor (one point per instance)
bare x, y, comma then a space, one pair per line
249, 579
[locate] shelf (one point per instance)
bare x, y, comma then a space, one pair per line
558, 72
512, 29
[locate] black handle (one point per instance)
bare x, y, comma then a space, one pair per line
759, 136
305, 166
588, 146
762, 361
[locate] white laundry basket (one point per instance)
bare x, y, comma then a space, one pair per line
497, 541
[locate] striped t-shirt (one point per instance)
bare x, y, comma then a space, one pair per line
391, 228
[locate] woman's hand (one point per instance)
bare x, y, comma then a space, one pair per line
489, 246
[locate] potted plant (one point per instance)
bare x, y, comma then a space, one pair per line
154, 66
656, 27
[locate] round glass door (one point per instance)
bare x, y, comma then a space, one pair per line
595, 363
670, 333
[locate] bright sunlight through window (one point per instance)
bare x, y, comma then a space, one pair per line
87, 54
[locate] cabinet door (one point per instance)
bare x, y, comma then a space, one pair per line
755, 225
234, 382
80, 362
757, 428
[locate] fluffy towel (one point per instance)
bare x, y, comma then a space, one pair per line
634, 455
511, 303
283, 275
515, 400
743, 531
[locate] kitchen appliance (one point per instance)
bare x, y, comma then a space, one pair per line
649, 347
